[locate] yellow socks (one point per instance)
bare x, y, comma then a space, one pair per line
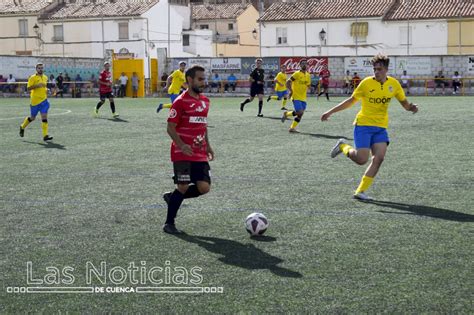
284, 102
294, 124
345, 148
44, 127
364, 184
168, 105
274, 97
25, 123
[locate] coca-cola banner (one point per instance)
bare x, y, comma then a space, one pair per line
270, 65
315, 64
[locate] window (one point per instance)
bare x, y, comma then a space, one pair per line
23, 25
231, 26
281, 36
359, 31
204, 26
185, 39
58, 33
123, 30
405, 38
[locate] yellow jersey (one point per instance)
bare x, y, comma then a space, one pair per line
299, 85
177, 82
280, 78
375, 100
38, 95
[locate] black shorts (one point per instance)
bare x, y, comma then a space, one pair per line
256, 89
186, 172
106, 95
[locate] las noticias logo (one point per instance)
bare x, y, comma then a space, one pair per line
103, 278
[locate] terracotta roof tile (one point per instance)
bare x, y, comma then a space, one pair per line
430, 9
218, 11
22, 6
101, 8
326, 9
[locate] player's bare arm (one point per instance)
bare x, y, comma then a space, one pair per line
341, 106
409, 106
185, 148
210, 152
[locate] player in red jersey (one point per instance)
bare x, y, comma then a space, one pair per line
190, 149
324, 74
105, 90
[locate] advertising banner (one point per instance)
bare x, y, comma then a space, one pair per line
315, 64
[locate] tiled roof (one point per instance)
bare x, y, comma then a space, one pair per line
218, 11
326, 9
430, 9
21, 6
101, 8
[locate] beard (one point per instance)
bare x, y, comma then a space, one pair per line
196, 89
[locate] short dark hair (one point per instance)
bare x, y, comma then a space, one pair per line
382, 59
191, 72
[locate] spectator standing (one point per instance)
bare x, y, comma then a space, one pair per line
135, 82
405, 80
123, 84
60, 84
456, 82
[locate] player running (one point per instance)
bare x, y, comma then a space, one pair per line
174, 83
280, 88
257, 85
105, 90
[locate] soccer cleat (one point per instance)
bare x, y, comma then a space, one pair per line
95, 113
22, 132
284, 108
259, 115
337, 150
115, 115
171, 229
47, 138
159, 108
293, 130
269, 98
362, 197
242, 106
283, 118
166, 197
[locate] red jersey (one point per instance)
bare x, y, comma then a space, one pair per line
325, 74
105, 76
190, 116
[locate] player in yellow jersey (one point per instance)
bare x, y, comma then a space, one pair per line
298, 85
38, 101
370, 131
174, 83
280, 88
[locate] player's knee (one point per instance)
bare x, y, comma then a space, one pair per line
361, 160
204, 188
32, 118
182, 188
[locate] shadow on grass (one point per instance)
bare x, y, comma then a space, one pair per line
118, 119
433, 212
48, 145
273, 118
245, 256
320, 135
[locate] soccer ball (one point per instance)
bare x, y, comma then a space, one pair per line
256, 223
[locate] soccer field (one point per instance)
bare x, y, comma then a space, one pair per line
94, 195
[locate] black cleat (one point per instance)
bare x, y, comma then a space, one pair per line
22, 132
167, 197
269, 98
47, 138
242, 106
171, 229
259, 115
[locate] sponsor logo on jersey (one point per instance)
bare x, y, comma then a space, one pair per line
198, 119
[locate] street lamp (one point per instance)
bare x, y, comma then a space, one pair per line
322, 38
36, 29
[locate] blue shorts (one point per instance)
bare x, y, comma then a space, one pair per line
281, 94
41, 107
173, 97
366, 136
299, 105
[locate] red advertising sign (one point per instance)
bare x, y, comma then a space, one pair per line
315, 64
